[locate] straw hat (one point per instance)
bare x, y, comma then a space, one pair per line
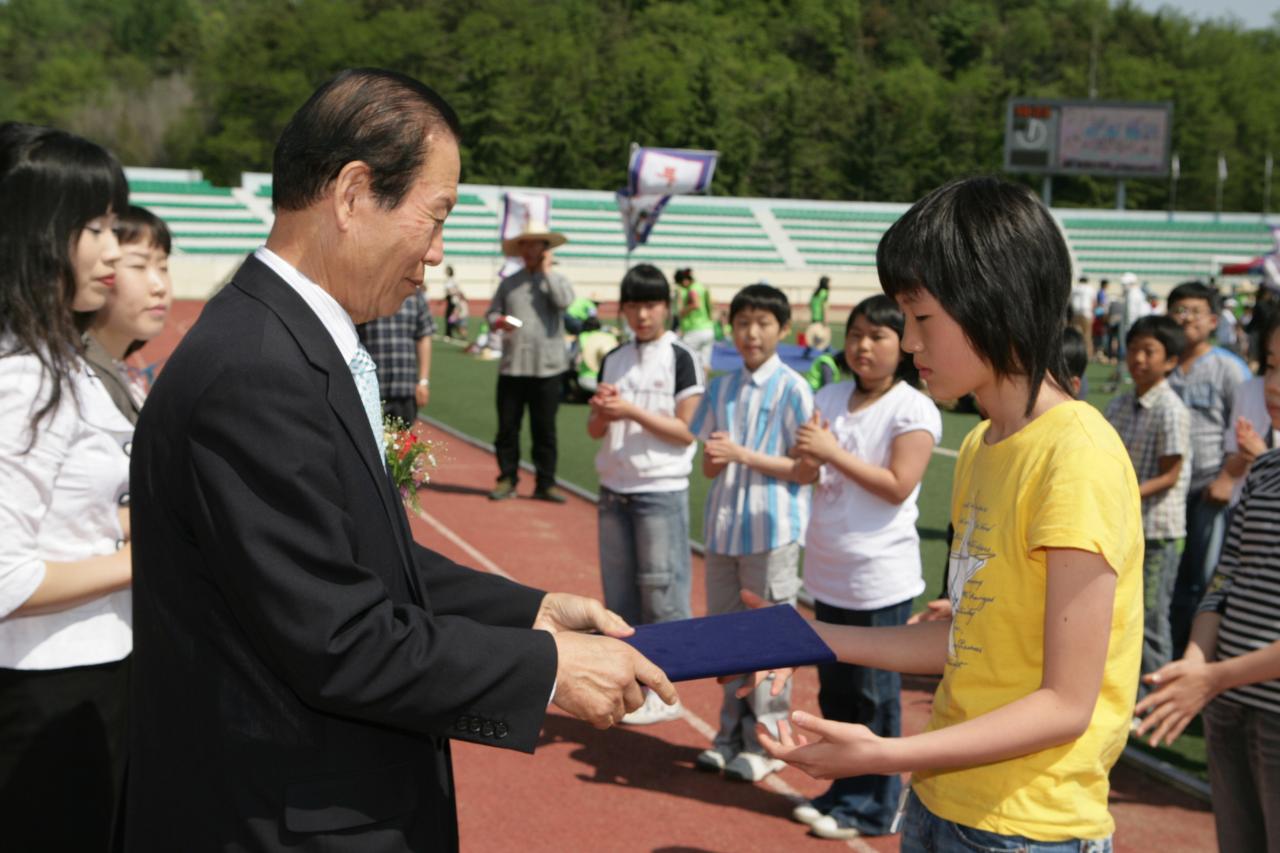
533, 230
817, 336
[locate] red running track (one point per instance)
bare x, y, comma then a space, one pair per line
635, 789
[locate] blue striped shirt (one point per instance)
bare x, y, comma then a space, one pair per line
746, 511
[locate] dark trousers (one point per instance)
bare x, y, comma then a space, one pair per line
542, 397
404, 408
859, 694
62, 755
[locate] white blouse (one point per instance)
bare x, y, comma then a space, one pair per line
59, 502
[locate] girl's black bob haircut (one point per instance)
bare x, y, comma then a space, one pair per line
880, 310
994, 258
645, 283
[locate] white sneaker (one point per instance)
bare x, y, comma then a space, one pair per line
713, 760
749, 767
654, 710
827, 827
805, 813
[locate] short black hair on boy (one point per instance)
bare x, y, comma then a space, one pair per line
1074, 351
645, 283
762, 297
1163, 328
995, 259
1196, 290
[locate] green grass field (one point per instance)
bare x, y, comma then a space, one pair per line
462, 396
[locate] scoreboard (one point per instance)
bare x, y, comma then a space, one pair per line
1120, 139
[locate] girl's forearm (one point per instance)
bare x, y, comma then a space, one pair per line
69, 584
916, 649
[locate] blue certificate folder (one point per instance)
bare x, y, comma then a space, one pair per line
731, 643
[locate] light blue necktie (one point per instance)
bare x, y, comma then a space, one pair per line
365, 373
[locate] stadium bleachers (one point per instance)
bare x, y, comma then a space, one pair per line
204, 219
722, 232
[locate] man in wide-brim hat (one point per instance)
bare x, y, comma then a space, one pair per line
533, 358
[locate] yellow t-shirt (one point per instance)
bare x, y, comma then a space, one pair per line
1062, 481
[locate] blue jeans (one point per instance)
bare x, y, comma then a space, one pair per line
925, 832
857, 694
644, 555
1206, 527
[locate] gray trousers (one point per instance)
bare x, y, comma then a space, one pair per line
773, 575
1244, 771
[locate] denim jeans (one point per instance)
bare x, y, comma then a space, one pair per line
925, 832
1244, 770
1206, 527
1159, 571
857, 694
644, 555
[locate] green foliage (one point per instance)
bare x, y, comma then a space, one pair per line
843, 99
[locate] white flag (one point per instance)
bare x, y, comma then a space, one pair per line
517, 211
1222, 167
670, 171
1175, 167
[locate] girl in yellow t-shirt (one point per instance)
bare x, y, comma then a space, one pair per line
1039, 661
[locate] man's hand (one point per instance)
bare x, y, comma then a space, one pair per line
815, 439
599, 679
562, 612
1185, 687
824, 749
721, 449
938, 610
421, 394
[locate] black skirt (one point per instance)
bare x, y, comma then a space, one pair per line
62, 755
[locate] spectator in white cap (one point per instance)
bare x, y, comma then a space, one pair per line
529, 310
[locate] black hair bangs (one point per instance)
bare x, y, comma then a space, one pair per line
645, 283
139, 225
762, 297
996, 261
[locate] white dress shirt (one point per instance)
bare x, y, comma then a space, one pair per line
59, 502
337, 322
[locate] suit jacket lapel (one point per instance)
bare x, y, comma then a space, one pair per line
259, 281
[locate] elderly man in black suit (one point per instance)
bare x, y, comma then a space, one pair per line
300, 663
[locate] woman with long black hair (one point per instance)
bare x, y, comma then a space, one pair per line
65, 557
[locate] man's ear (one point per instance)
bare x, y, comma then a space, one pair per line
351, 189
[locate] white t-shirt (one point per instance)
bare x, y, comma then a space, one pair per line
862, 552
1082, 296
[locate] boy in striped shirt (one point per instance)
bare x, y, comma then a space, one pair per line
756, 510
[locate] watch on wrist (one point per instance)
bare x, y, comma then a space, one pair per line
425, 383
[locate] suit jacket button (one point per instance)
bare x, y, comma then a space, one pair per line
475, 725
500, 730
463, 723
488, 730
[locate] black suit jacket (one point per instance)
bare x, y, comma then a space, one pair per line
299, 661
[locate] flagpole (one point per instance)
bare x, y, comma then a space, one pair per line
1175, 170
1222, 179
1266, 187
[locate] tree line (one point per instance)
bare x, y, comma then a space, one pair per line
828, 99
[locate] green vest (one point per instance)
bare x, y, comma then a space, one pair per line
815, 375
700, 317
818, 306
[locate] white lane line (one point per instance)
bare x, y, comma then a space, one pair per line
481, 560
701, 726
946, 451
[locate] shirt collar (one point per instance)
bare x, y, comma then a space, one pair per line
1149, 399
764, 371
336, 321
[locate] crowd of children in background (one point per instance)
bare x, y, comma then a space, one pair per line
1111, 526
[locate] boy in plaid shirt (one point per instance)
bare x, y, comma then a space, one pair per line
1155, 426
